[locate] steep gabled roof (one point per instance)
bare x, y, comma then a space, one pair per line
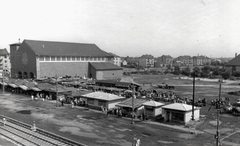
153, 103
51, 48
105, 66
128, 103
235, 61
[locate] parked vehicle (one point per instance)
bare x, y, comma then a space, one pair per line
236, 109
165, 86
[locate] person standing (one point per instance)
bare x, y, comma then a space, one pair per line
4, 121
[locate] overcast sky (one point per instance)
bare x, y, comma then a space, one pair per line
128, 27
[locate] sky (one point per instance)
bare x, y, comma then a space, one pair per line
127, 27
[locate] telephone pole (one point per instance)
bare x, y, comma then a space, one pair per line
217, 136
56, 90
193, 100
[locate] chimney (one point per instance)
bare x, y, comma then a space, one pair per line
235, 54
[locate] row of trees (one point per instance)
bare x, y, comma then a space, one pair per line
205, 72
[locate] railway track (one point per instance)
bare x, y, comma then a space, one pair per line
23, 135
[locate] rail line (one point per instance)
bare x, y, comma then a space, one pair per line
22, 134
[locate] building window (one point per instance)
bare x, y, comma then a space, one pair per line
68, 58
41, 58
63, 58
86, 58
78, 58
58, 58
177, 116
234, 68
90, 59
82, 58
102, 103
52, 58
47, 58
91, 101
95, 58
73, 58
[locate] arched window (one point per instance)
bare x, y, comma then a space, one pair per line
25, 75
19, 75
31, 75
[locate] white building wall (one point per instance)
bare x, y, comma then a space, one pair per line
158, 111
188, 115
112, 104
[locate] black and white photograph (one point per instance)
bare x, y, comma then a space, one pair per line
120, 73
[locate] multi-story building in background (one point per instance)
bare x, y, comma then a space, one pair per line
233, 65
146, 61
117, 60
164, 60
5, 61
201, 60
184, 60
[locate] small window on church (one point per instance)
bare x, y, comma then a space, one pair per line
58, 58
41, 58
52, 58
47, 58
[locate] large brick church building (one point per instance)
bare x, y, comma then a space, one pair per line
39, 59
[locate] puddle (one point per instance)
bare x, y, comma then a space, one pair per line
165, 142
215, 122
25, 112
146, 134
186, 136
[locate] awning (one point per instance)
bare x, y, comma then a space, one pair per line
23, 87
13, 85
122, 84
36, 89
4, 83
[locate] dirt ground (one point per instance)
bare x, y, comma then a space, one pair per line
93, 128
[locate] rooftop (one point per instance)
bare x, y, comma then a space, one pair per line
103, 96
135, 103
51, 48
179, 107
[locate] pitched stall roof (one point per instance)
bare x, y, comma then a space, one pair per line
153, 103
179, 107
103, 96
105, 66
235, 61
128, 103
51, 48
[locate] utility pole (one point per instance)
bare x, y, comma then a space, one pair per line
217, 136
3, 81
193, 96
133, 104
56, 90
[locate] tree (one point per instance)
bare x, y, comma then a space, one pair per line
226, 75
186, 71
196, 72
205, 71
216, 71
176, 70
